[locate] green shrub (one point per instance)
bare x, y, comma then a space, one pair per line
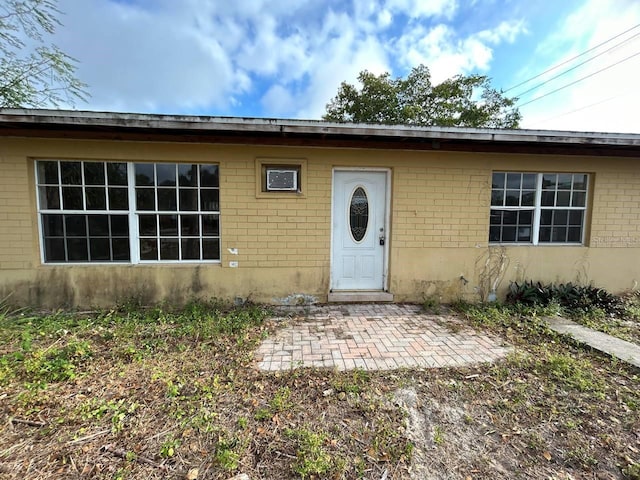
574, 299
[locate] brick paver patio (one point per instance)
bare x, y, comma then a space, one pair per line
375, 337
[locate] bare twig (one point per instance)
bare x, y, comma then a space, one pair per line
87, 437
119, 452
31, 423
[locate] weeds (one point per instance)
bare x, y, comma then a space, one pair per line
311, 456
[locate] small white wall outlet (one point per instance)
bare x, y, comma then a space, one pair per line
233, 264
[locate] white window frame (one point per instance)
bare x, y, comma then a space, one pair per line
537, 209
132, 214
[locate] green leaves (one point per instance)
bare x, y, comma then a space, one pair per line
461, 101
39, 77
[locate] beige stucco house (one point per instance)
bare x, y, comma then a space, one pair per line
96, 208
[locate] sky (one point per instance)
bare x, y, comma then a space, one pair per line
287, 58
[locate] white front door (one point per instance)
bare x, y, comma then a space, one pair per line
359, 236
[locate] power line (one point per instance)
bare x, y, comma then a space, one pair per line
571, 59
575, 66
579, 80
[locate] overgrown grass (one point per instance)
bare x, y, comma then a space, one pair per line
173, 390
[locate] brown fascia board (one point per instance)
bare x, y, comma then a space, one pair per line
253, 131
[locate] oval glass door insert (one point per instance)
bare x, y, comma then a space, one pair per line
359, 214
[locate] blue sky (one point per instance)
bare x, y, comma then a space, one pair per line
286, 58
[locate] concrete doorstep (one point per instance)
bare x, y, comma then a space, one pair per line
621, 349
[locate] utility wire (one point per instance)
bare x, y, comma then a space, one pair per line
575, 66
579, 80
571, 59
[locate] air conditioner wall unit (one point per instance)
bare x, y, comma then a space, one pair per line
280, 179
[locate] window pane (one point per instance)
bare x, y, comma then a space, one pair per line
497, 180
497, 198
546, 217
563, 198
525, 217
210, 225
54, 250
191, 249
99, 249
48, 172
94, 173
559, 234
76, 225
168, 225
548, 198
99, 225
578, 199
77, 249
169, 249
549, 181
494, 234
514, 180
545, 234
144, 174
495, 218
72, 198
120, 248
509, 218
528, 198
167, 199
575, 217
190, 225
529, 181
147, 225
564, 181
579, 182
71, 173
49, 198
560, 217
52, 226
188, 199
188, 175
524, 234
211, 249
209, 200
118, 199
512, 198
119, 226
117, 173
574, 234
508, 234
209, 176
96, 198
148, 249
145, 199
166, 175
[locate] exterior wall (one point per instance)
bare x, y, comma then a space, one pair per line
439, 227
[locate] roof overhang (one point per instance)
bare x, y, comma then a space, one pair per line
261, 131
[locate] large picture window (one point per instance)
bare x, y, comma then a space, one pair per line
535, 208
124, 212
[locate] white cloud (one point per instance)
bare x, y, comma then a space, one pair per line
284, 58
133, 59
446, 54
423, 8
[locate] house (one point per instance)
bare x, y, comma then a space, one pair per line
96, 208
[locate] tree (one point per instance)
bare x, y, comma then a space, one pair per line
461, 101
33, 74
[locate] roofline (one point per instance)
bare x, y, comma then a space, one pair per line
19, 122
